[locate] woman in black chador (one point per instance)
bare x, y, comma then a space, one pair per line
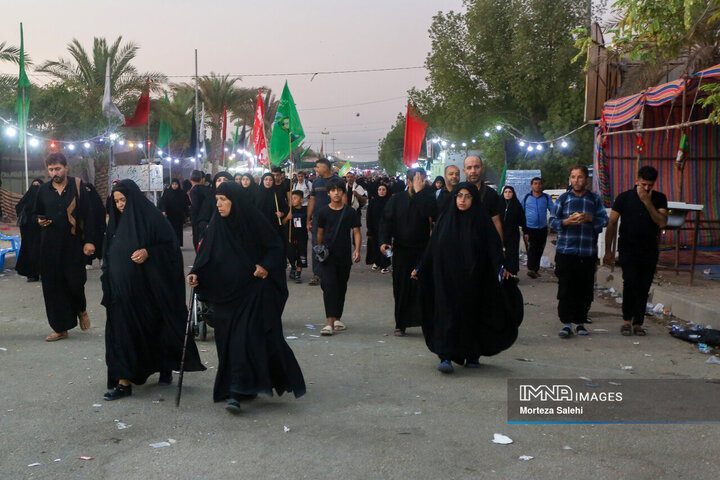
144, 294
240, 269
513, 219
175, 204
474, 313
28, 262
272, 204
375, 211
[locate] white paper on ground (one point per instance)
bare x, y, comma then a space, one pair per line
502, 439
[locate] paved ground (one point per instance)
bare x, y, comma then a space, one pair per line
376, 408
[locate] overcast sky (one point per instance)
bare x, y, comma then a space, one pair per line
252, 37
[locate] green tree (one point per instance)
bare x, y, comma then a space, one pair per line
391, 147
10, 53
507, 62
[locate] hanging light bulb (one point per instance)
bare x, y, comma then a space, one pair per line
564, 144
34, 142
464, 144
177, 160
452, 145
473, 140
487, 134
10, 131
159, 152
530, 148
435, 140
539, 147
86, 145
121, 142
498, 127
444, 143
52, 145
71, 147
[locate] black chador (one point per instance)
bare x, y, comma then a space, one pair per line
473, 313
375, 213
28, 262
406, 225
145, 302
62, 261
176, 205
252, 352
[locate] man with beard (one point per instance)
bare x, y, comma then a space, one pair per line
405, 230
444, 196
63, 211
489, 198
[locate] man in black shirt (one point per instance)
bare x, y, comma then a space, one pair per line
334, 223
68, 237
405, 230
644, 213
489, 199
446, 195
198, 194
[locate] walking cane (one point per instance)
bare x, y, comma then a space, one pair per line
187, 334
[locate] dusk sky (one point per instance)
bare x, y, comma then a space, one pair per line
251, 38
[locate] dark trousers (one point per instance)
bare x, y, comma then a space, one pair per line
313, 241
537, 237
333, 281
297, 253
637, 279
576, 278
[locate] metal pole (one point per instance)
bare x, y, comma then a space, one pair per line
197, 119
24, 127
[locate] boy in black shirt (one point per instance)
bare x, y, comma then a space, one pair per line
334, 224
297, 247
644, 212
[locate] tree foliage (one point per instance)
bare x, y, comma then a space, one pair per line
506, 62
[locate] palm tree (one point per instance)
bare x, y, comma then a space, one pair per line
10, 53
87, 71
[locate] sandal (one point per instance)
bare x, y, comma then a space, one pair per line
54, 337
339, 326
326, 331
84, 320
626, 330
400, 333
639, 331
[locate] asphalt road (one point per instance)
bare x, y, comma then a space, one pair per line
376, 408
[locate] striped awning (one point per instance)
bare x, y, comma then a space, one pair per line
621, 111
664, 93
708, 72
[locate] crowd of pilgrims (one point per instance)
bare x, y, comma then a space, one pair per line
443, 242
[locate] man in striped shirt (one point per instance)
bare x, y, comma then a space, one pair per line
578, 217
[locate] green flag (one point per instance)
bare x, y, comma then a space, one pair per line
235, 139
502, 178
165, 133
22, 104
344, 169
287, 132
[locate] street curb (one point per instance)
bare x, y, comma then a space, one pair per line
681, 307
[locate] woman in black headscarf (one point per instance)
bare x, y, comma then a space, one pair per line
240, 269
249, 186
175, 204
513, 219
28, 262
473, 312
375, 211
439, 182
144, 294
208, 207
271, 205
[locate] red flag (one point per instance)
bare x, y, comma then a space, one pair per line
259, 144
224, 135
322, 153
415, 129
142, 111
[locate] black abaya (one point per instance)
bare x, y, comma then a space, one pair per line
472, 312
28, 262
252, 352
175, 204
375, 211
406, 225
146, 311
513, 219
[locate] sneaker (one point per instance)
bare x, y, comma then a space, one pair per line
566, 332
588, 320
532, 274
233, 406
118, 392
315, 280
445, 366
581, 330
375, 267
385, 270
297, 278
